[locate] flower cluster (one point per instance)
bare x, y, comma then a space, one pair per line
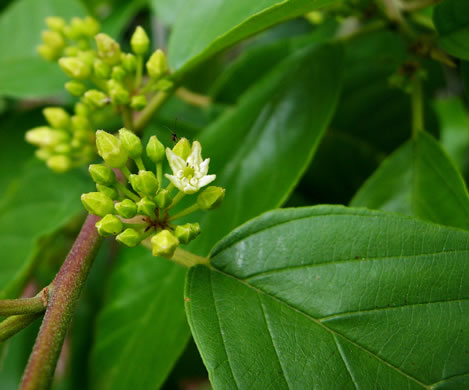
102, 75
136, 206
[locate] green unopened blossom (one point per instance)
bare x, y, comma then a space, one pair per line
53, 39
183, 233
129, 62
59, 163
90, 26
139, 42
129, 237
109, 191
57, 117
97, 203
75, 68
183, 148
126, 208
95, 98
131, 143
48, 52
164, 244
189, 175
75, 88
45, 136
101, 69
138, 102
146, 207
108, 49
211, 198
157, 65
110, 149
117, 92
102, 174
118, 73
163, 199
110, 225
55, 23
155, 149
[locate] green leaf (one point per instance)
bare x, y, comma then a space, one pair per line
206, 27
121, 16
465, 77
22, 72
451, 18
373, 301
39, 203
418, 179
168, 10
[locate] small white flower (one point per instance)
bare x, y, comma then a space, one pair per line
189, 176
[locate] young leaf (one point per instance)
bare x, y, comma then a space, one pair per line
208, 26
451, 18
465, 77
374, 300
418, 179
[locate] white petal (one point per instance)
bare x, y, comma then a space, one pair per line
203, 167
206, 180
176, 182
175, 162
195, 158
188, 189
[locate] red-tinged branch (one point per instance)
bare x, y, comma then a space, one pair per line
62, 302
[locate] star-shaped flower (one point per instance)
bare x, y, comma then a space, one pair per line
189, 175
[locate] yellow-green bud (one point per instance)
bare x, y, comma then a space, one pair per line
118, 93
164, 244
126, 208
146, 207
57, 117
131, 143
195, 229
129, 237
109, 191
81, 109
71, 51
64, 148
55, 23
183, 233
108, 49
75, 88
148, 182
157, 65
101, 69
53, 39
48, 53
87, 56
118, 73
97, 203
75, 68
80, 123
182, 148
76, 29
91, 26
43, 154
45, 136
210, 198
129, 62
139, 41
163, 199
164, 85
155, 149
138, 102
102, 174
110, 225
59, 163
110, 149
95, 98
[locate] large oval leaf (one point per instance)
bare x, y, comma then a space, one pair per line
265, 142
418, 179
334, 298
451, 19
208, 26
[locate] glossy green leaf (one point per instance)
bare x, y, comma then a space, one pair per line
22, 72
38, 203
276, 127
168, 10
418, 179
373, 301
451, 18
206, 27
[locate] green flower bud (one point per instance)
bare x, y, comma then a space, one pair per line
43, 154
55, 23
71, 51
109, 191
195, 229
81, 109
95, 98
76, 29
57, 117
139, 41
126, 208
59, 163
45, 136
138, 102
183, 233
48, 53
97, 203
163, 199
110, 225
129, 62
129, 237
102, 174
164, 85
53, 39
118, 73
164, 244
148, 182
155, 149
75, 88
63, 148
75, 68
110, 149
91, 26
80, 123
131, 143
210, 198
108, 49
146, 207
183, 148
118, 93
135, 182
87, 56
157, 65
101, 69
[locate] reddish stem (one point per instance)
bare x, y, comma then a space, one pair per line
62, 301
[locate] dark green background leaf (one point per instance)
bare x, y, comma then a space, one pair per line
374, 300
